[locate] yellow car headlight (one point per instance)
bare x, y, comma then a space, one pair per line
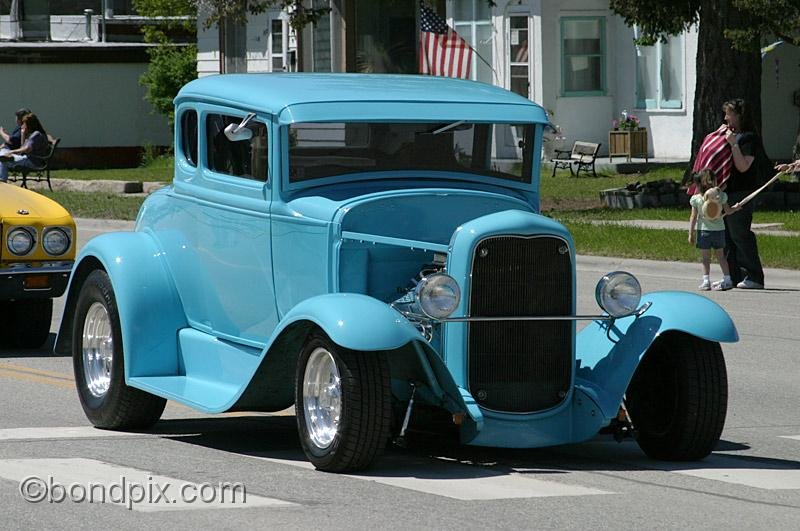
20, 241
56, 241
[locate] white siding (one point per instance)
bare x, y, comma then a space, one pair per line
73, 101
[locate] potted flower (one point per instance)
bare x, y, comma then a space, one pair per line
626, 122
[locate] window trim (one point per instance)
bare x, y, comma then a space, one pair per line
661, 104
239, 115
603, 54
183, 156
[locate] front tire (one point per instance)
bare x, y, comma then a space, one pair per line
343, 403
99, 362
678, 398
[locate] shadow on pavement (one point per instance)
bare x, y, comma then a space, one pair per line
45, 351
275, 438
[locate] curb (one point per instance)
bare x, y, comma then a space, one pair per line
112, 187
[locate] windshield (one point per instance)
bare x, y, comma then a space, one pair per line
319, 150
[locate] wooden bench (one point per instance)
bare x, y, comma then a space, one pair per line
582, 155
39, 173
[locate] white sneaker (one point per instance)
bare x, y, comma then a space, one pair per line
704, 286
749, 284
722, 285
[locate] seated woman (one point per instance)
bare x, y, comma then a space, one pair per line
31, 153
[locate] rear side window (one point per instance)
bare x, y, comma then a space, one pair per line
189, 136
244, 158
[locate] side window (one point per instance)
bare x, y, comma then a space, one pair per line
189, 136
245, 158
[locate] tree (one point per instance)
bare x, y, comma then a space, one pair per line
216, 11
171, 65
723, 71
779, 19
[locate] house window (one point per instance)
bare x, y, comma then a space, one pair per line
189, 136
472, 20
583, 56
518, 55
659, 74
242, 158
277, 45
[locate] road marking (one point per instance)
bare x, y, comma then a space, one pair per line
759, 478
741, 471
82, 480
795, 437
67, 432
31, 370
19, 372
457, 481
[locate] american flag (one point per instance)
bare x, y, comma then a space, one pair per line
715, 155
441, 51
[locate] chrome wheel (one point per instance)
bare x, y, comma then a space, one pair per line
322, 397
98, 350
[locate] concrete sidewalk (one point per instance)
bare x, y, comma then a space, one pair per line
771, 229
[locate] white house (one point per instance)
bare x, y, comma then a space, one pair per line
81, 82
574, 57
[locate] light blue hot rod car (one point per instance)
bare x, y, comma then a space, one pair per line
370, 249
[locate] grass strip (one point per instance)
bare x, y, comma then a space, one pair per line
99, 205
669, 245
159, 170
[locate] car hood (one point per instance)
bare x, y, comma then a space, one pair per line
19, 206
421, 215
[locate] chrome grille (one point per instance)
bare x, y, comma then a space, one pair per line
520, 366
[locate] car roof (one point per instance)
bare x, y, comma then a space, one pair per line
274, 92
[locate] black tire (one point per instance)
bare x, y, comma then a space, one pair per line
26, 323
678, 398
365, 415
120, 406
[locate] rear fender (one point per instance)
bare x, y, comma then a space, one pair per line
150, 311
608, 352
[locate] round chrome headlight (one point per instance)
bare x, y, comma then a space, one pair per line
20, 241
618, 293
438, 295
55, 241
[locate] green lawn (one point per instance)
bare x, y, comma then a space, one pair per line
98, 204
573, 201
159, 170
565, 187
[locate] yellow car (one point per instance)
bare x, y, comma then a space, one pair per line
36, 257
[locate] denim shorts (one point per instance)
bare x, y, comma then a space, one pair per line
710, 239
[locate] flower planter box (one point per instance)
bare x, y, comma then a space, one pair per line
627, 144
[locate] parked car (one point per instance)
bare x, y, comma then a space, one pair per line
35, 261
370, 249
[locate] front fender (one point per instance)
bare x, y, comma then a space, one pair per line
354, 321
150, 310
608, 352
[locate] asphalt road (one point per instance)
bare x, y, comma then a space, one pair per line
751, 481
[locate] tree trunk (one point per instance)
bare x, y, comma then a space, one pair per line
722, 72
